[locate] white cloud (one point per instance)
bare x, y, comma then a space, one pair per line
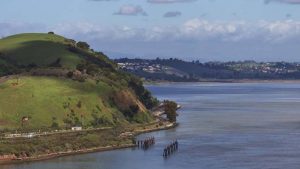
193, 29
284, 1
193, 37
241, 30
169, 1
132, 10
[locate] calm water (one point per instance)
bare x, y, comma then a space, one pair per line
234, 126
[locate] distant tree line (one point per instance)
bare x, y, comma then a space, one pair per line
198, 71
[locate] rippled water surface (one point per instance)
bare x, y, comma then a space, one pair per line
232, 126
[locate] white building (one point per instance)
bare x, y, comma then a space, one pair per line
76, 128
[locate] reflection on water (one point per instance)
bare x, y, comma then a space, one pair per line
234, 126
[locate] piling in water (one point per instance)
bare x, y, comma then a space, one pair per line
170, 149
145, 144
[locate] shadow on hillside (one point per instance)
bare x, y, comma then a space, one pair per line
40, 53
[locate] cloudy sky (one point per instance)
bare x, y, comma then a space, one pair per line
205, 30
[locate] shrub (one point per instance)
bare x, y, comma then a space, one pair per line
79, 104
83, 45
70, 74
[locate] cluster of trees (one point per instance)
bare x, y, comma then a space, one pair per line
170, 109
144, 95
89, 68
97, 58
80, 44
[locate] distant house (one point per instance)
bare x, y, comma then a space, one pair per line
76, 128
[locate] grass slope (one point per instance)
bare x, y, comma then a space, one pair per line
42, 98
45, 98
38, 48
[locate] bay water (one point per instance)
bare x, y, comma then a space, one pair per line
221, 126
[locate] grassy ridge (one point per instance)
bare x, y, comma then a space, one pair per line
25, 49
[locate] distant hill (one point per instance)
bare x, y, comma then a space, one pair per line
183, 71
54, 82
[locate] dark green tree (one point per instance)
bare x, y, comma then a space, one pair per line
83, 45
144, 95
170, 109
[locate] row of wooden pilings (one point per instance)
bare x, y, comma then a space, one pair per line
150, 141
170, 149
145, 144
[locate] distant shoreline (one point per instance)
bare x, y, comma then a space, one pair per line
226, 81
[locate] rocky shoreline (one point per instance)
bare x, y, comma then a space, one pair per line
11, 159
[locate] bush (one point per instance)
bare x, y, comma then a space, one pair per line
133, 110
70, 42
81, 67
79, 104
83, 45
54, 125
70, 74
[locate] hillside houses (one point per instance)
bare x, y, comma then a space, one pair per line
180, 70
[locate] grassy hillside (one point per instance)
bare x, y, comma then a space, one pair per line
58, 84
26, 49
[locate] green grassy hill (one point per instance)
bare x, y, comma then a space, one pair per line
26, 49
56, 83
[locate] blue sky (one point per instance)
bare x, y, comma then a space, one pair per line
189, 29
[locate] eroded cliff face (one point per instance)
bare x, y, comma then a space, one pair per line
125, 98
132, 108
